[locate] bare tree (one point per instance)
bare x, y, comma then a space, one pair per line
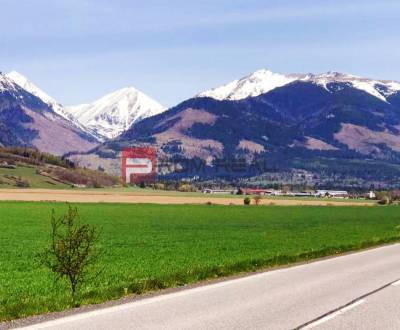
72, 250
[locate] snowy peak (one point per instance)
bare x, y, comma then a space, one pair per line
105, 118
114, 113
24, 83
30, 87
6, 84
263, 81
257, 83
381, 89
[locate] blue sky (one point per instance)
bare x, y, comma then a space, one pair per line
78, 50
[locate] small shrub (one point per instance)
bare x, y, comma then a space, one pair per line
257, 199
385, 200
97, 185
159, 186
185, 187
246, 201
22, 183
72, 250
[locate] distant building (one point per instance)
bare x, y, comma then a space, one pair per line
299, 194
267, 192
332, 193
219, 191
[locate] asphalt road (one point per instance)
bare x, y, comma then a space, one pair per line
356, 291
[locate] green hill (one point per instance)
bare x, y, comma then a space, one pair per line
28, 168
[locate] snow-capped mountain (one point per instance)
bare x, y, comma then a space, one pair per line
6, 84
337, 126
30, 87
103, 119
378, 88
257, 83
26, 120
263, 81
58, 108
114, 113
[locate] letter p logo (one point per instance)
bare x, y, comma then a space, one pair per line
139, 165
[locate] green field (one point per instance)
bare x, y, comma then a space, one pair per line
149, 247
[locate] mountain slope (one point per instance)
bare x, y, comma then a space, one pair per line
25, 120
114, 113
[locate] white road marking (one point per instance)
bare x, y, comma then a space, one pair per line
333, 315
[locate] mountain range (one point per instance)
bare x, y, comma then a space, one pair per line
331, 126
263, 81
102, 119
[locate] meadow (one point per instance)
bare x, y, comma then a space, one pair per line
8, 177
150, 247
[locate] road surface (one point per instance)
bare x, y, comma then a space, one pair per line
355, 291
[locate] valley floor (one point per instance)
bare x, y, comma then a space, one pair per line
159, 197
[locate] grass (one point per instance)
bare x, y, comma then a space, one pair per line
8, 178
150, 247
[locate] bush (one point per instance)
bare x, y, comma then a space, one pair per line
257, 199
385, 200
22, 184
185, 187
159, 186
246, 201
72, 251
97, 185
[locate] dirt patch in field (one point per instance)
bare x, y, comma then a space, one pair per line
131, 197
